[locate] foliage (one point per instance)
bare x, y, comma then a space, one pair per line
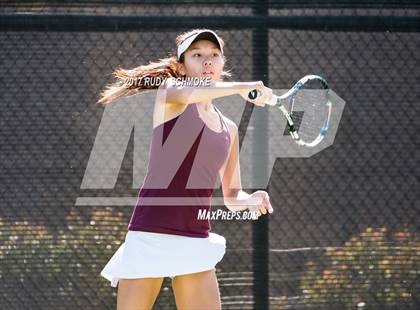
375, 268
63, 264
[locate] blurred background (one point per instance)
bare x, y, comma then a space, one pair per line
345, 233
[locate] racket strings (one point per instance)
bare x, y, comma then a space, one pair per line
309, 111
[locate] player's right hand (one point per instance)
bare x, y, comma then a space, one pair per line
264, 93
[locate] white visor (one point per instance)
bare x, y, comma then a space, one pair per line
203, 35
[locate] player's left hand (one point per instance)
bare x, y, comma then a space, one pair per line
259, 202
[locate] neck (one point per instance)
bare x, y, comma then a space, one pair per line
207, 106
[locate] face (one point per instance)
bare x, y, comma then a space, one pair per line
203, 59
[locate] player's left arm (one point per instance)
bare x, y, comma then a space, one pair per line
229, 173
234, 197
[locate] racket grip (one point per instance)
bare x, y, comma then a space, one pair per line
253, 94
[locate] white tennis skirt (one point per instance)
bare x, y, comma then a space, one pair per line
155, 255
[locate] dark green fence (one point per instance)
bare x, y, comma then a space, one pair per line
345, 232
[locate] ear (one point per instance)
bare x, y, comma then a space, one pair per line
181, 69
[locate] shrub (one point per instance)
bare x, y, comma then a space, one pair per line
375, 268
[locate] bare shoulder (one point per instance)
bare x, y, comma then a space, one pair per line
164, 110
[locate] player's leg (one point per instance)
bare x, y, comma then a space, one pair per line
137, 294
197, 291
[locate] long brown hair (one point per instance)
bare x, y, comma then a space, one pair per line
127, 83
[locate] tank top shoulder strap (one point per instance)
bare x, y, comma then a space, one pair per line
221, 117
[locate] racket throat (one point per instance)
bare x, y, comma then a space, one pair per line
290, 123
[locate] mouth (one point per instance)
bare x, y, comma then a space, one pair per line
208, 73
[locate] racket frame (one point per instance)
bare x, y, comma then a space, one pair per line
289, 96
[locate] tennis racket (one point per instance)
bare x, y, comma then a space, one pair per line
307, 109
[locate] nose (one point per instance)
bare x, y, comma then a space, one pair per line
207, 62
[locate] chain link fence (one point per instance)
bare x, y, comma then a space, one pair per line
345, 232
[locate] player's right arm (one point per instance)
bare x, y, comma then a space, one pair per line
180, 94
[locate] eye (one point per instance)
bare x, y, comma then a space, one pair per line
197, 55
216, 54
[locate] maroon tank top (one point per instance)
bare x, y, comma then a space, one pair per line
185, 157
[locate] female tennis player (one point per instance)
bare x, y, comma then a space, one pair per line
165, 238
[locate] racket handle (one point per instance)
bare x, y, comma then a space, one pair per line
253, 94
